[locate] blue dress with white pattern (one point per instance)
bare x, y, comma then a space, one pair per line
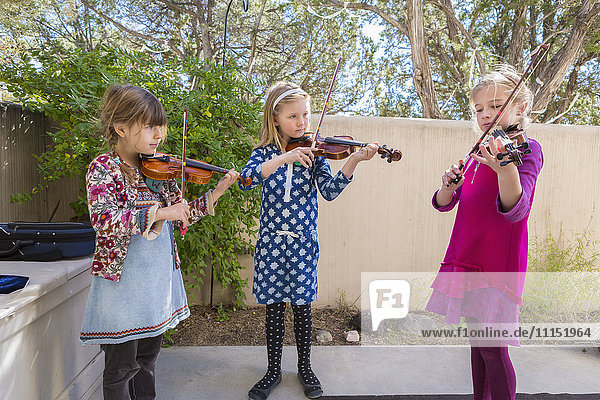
287, 248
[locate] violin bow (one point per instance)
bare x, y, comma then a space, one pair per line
508, 101
183, 230
316, 135
314, 139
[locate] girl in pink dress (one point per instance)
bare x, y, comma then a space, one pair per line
483, 272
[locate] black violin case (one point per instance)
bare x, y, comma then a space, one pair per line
45, 241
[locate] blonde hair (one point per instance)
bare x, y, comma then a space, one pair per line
128, 105
507, 76
269, 134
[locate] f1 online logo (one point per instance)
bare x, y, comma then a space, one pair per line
389, 299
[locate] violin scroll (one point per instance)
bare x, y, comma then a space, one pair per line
513, 153
389, 154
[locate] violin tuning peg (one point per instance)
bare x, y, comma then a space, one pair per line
389, 160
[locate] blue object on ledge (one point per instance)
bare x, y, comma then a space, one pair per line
11, 283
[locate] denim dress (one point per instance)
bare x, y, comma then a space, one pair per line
148, 299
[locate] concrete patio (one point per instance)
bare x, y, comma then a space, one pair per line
226, 373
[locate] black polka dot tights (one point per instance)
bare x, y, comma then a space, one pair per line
274, 329
303, 333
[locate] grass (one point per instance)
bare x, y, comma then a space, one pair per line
554, 254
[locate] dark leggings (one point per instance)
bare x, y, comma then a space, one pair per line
493, 374
275, 329
129, 369
492, 371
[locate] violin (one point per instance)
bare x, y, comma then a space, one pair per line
513, 153
338, 147
507, 138
162, 167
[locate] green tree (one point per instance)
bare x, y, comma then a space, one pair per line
67, 85
272, 41
429, 54
461, 40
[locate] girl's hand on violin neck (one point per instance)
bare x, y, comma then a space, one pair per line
448, 178
362, 154
224, 183
444, 195
365, 153
488, 157
303, 155
176, 212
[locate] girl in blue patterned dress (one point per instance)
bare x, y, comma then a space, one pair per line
137, 291
287, 249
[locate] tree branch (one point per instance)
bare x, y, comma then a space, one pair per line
134, 33
517, 40
556, 70
548, 14
421, 66
254, 36
450, 14
183, 10
562, 114
364, 6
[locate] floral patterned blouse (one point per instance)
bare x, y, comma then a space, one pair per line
115, 215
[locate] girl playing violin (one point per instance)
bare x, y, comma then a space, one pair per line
287, 250
483, 272
137, 291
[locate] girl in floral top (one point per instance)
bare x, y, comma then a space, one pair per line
287, 249
137, 291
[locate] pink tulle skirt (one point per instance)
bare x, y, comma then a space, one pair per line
470, 295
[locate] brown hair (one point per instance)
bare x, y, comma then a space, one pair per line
507, 76
128, 105
269, 134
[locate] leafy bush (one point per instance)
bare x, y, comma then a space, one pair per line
67, 85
